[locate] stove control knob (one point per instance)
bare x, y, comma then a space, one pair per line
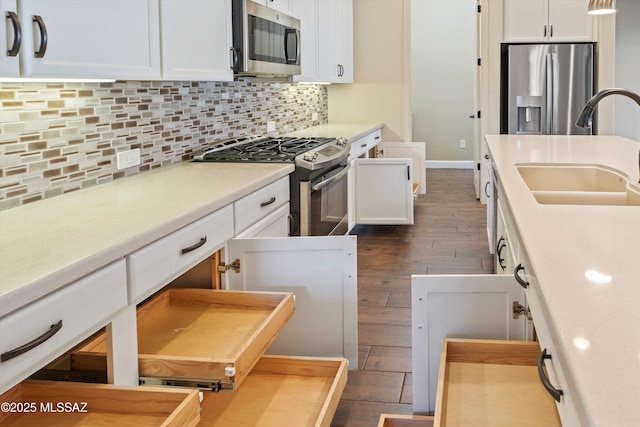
341, 142
310, 156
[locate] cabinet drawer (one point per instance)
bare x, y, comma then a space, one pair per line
364, 144
204, 335
258, 204
492, 383
393, 420
74, 311
280, 391
48, 403
157, 264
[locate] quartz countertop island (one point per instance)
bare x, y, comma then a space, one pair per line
594, 325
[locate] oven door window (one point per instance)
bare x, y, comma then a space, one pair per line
272, 42
328, 209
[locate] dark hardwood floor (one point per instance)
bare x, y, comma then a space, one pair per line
448, 237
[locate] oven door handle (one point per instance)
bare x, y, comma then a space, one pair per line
326, 182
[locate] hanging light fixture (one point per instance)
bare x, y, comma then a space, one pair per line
601, 7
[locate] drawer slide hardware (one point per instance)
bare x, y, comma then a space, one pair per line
520, 310
205, 385
235, 266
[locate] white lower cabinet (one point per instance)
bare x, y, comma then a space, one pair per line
322, 274
43, 330
382, 189
469, 306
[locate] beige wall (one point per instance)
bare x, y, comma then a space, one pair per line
379, 93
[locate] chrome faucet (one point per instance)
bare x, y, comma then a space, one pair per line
584, 121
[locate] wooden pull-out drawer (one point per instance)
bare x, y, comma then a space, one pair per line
492, 383
280, 391
394, 420
47, 403
201, 335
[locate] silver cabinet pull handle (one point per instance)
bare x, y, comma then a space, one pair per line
268, 202
31, 344
194, 247
519, 279
554, 392
43, 36
17, 34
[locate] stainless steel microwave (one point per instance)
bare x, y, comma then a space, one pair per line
265, 41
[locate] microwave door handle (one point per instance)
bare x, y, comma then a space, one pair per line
288, 32
326, 182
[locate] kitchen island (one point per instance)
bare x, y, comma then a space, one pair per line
587, 270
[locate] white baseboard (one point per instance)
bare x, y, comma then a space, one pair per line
448, 164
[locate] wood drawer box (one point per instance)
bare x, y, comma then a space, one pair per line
280, 391
157, 264
492, 383
60, 319
37, 403
260, 203
200, 335
393, 420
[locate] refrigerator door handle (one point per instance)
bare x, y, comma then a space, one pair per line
555, 118
550, 94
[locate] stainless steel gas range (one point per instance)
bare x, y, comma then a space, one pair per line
318, 186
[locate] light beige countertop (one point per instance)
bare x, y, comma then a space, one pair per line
595, 327
351, 132
47, 244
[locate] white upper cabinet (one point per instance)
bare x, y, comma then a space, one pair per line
327, 40
307, 12
335, 41
196, 40
547, 21
281, 5
10, 39
116, 39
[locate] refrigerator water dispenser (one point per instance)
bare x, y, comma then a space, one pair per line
529, 114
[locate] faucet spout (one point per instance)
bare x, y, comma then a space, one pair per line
584, 121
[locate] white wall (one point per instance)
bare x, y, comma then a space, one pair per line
627, 113
443, 55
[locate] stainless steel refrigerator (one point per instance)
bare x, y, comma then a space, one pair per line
544, 87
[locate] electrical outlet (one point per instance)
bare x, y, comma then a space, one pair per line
129, 158
463, 143
314, 116
271, 126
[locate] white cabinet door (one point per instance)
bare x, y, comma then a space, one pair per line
116, 39
335, 41
526, 20
471, 306
569, 21
547, 21
383, 191
322, 274
307, 12
11, 29
196, 40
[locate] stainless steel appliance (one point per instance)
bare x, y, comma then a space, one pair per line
544, 87
318, 186
265, 41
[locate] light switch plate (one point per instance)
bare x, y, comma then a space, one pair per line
271, 126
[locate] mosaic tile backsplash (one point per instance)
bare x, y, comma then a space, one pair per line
61, 137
